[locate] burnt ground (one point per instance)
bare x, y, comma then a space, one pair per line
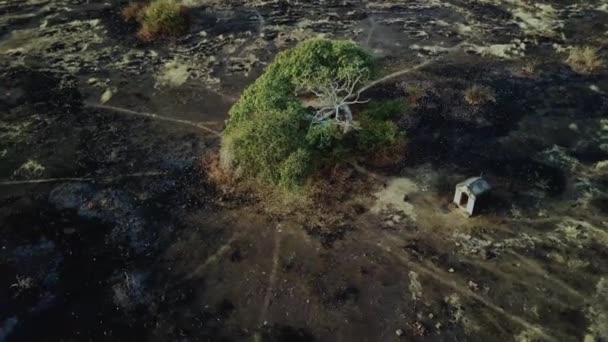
109, 230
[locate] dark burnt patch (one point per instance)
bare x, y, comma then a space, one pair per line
590, 152
327, 235
580, 26
239, 21
421, 249
285, 333
118, 29
601, 204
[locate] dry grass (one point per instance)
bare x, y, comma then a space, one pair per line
158, 19
326, 200
585, 60
529, 68
217, 175
478, 96
133, 11
389, 156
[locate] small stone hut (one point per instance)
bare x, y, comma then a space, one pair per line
469, 191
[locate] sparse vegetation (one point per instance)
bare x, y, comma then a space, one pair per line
272, 137
478, 96
159, 18
585, 60
414, 95
598, 312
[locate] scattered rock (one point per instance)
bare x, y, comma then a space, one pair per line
473, 285
418, 329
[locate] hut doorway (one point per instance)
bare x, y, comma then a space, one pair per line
464, 199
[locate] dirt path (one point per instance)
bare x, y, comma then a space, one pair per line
155, 117
272, 279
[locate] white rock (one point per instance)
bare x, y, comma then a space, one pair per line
106, 96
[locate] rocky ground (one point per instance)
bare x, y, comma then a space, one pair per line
111, 232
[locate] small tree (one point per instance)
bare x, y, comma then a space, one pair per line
270, 135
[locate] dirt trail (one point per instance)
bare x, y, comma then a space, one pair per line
404, 71
81, 179
154, 116
272, 279
446, 279
214, 258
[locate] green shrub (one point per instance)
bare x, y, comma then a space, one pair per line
386, 110
162, 18
375, 134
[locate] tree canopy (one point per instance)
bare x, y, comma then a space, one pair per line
270, 135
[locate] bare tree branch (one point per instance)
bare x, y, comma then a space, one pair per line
336, 96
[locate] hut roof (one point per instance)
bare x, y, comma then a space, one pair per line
476, 185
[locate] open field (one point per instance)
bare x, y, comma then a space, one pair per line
110, 230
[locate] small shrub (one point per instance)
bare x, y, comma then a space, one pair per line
585, 60
414, 95
478, 96
162, 18
375, 134
386, 110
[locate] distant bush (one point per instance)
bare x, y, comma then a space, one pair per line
159, 18
478, 96
270, 136
585, 60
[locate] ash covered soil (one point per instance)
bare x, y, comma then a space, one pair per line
109, 230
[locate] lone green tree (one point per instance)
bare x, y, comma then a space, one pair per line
271, 136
